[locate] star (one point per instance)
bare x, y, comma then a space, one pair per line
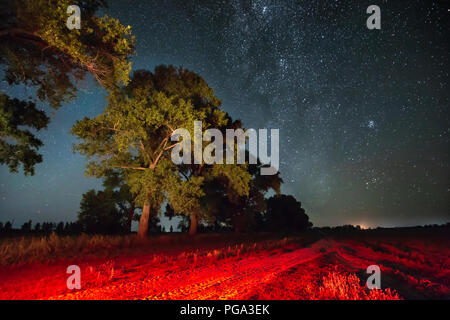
350, 104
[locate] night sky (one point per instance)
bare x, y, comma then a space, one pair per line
363, 114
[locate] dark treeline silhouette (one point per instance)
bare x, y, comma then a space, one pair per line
44, 228
262, 222
100, 214
349, 227
349, 230
283, 213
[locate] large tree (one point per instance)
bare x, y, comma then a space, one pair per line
38, 50
231, 209
285, 213
134, 135
233, 180
115, 183
99, 213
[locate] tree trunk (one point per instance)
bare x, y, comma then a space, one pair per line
143, 222
130, 218
239, 223
193, 225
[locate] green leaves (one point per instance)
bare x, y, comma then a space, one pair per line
38, 50
17, 144
238, 177
184, 196
133, 135
99, 213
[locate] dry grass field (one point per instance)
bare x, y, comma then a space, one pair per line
210, 266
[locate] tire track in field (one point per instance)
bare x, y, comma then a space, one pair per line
230, 278
235, 285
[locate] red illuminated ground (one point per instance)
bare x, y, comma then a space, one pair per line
323, 269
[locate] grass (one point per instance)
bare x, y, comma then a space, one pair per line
337, 286
227, 266
22, 250
44, 249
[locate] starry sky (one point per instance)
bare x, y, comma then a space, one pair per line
363, 114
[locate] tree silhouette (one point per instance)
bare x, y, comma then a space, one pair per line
15, 116
73, 228
60, 228
285, 213
37, 227
115, 183
26, 227
99, 214
7, 227
183, 225
47, 227
169, 212
241, 212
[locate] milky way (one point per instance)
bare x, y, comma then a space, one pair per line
363, 114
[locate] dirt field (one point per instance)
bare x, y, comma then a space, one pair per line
325, 268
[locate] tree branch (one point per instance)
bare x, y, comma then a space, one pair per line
170, 147
133, 168
153, 165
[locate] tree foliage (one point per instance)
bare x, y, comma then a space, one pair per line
133, 134
38, 50
239, 211
18, 145
285, 213
110, 210
99, 213
115, 183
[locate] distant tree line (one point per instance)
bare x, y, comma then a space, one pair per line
44, 228
100, 214
279, 213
